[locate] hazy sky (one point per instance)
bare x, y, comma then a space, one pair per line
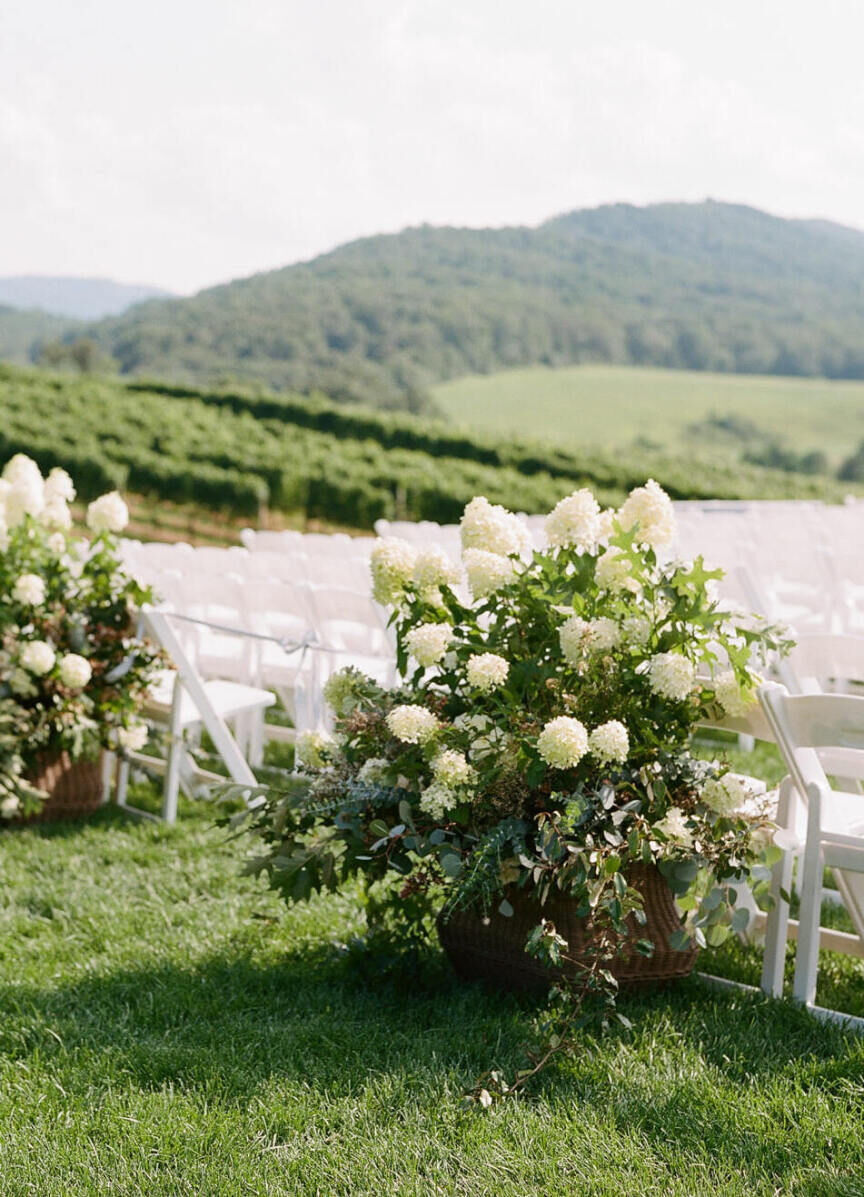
184, 142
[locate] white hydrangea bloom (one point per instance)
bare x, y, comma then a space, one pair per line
563, 742
412, 724
674, 826
606, 523
649, 509
427, 643
372, 771
486, 671
487, 572
636, 629
437, 799
108, 513
488, 526
9, 806
56, 514
671, 675
22, 469
21, 683
575, 521
75, 671
450, 768
310, 748
59, 486
37, 657
732, 698
24, 493
392, 565
433, 568
339, 688
610, 742
4, 528
605, 634
724, 795
132, 738
29, 590
580, 636
612, 572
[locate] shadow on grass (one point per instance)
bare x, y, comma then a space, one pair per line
316, 1017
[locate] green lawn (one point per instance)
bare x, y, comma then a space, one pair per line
167, 1027
615, 405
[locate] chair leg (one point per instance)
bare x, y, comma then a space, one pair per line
109, 769
122, 782
777, 922
255, 754
175, 755
807, 959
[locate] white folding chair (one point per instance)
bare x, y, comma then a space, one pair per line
185, 702
818, 734
285, 661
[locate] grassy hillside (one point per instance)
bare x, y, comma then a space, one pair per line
247, 454
700, 286
673, 409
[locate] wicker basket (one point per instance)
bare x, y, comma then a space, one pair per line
494, 949
74, 788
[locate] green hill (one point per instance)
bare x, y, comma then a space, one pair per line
21, 332
700, 286
676, 410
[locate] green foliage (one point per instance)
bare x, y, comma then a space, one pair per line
695, 286
238, 452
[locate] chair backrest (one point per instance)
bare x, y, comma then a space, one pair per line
159, 626
830, 662
815, 732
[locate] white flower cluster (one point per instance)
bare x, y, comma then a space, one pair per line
24, 491
487, 572
75, 671
673, 826
108, 513
392, 564
132, 738
724, 795
649, 510
427, 643
432, 569
609, 742
412, 724
580, 636
575, 521
486, 671
563, 742
310, 749
613, 572
451, 769
636, 629
437, 799
340, 688
488, 526
732, 698
372, 771
29, 590
671, 675
37, 657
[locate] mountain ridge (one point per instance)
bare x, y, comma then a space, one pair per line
708, 286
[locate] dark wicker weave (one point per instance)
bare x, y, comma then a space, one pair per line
74, 788
494, 949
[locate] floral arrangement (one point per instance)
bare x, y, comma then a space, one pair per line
540, 740
72, 668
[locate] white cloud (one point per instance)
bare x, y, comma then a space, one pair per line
184, 144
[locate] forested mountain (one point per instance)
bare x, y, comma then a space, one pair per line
705, 286
75, 298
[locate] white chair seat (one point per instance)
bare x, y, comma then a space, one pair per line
228, 700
